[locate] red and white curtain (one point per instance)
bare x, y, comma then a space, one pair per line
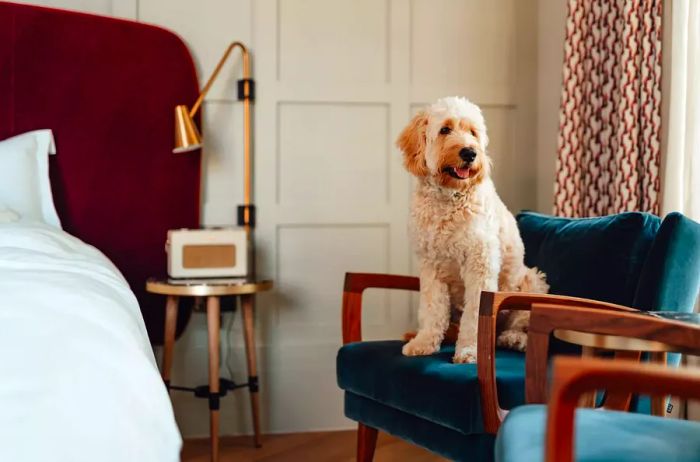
610, 118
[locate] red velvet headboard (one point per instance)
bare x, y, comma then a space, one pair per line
107, 88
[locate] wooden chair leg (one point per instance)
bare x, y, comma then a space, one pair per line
366, 442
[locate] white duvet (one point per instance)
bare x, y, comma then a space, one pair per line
78, 380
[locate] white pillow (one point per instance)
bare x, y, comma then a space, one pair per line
24, 176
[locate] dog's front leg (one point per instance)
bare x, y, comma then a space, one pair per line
433, 315
479, 272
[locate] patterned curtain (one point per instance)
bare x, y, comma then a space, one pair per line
610, 117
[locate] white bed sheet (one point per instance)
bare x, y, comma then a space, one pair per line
78, 380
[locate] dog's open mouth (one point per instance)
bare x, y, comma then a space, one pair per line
459, 173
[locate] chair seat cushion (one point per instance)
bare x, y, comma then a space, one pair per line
601, 436
429, 387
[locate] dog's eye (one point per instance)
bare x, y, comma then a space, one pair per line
473, 133
445, 130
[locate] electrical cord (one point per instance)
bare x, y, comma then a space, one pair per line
226, 347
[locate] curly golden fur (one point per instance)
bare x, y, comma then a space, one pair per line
464, 235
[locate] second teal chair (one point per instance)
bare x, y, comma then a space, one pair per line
606, 435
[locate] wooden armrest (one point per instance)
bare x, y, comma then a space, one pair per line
355, 284
545, 318
493, 302
574, 377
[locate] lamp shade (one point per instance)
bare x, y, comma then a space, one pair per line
187, 137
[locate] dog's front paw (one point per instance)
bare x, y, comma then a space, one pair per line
465, 355
512, 339
419, 347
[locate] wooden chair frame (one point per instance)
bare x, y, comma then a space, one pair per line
546, 317
574, 376
490, 305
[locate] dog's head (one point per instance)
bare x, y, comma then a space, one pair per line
447, 142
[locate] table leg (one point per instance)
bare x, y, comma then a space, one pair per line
213, 327
620, 401
658, 403
249, 334
588, 399
169, 337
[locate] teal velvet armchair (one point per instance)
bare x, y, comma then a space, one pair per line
620, 263
606, 434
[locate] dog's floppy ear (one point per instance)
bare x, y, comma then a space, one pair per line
412, 141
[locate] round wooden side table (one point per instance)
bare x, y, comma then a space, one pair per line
593, 343
213, 289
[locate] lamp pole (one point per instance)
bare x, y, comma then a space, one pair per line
246, 93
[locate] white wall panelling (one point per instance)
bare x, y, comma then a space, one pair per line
222, 185
325, 252
317, 162
320, 40
464, 47
551, 28
502, 149
208, 26
337, 80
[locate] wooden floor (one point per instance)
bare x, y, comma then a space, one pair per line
306, 447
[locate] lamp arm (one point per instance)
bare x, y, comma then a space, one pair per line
246, 91
207, 86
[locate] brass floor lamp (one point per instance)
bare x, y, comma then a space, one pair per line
188, 138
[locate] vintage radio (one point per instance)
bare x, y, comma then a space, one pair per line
207, 253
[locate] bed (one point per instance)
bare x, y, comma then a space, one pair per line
78, 375
79, 379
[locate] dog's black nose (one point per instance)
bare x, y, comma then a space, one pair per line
467, 154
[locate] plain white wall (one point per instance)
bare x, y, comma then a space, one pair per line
551, 26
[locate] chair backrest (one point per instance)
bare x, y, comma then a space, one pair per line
631, 258
599, 258
670, 279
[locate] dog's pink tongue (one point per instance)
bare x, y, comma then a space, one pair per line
462, 172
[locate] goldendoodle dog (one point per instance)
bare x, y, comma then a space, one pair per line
464, 235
